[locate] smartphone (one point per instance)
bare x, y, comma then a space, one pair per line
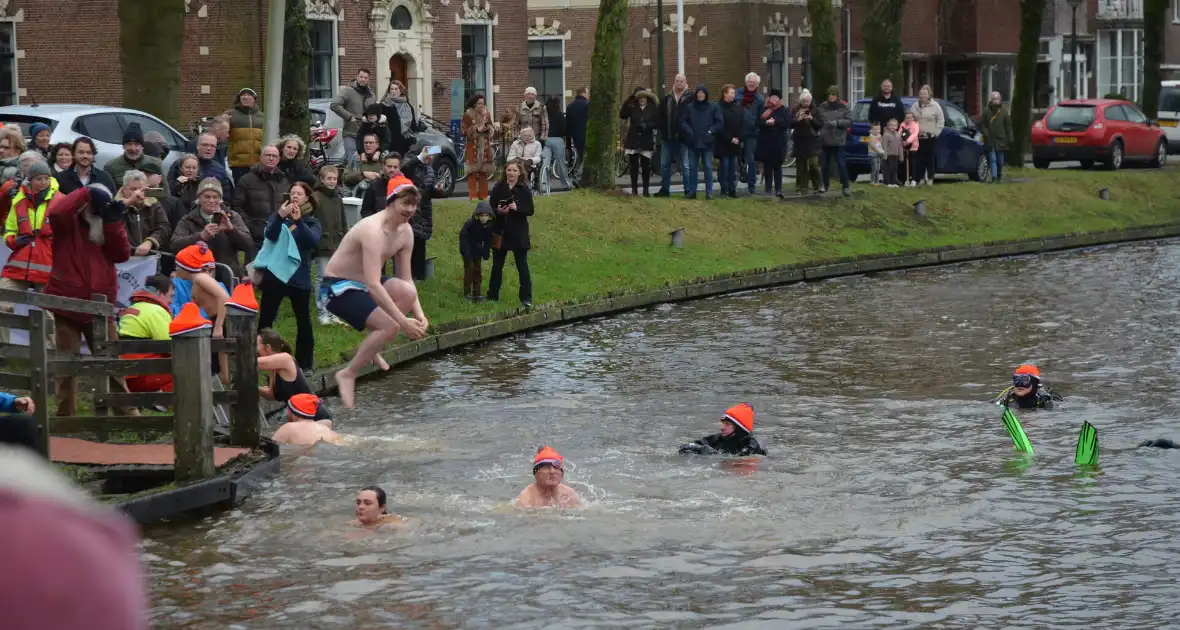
218, 217
433, 150
154, 193
286, 197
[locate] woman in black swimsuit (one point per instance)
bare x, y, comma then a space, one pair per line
285, 378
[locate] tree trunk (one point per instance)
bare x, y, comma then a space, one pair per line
825, 54
605, 86
1031, 15
150, 37
293, 115
882, 41
1155, 21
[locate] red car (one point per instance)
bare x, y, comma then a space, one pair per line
1097, 130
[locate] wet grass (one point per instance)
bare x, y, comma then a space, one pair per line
588, 244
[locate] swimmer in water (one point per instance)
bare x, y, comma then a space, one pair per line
371, 510
736, 436
302, 429
1159, 443
547, 490
1027, 391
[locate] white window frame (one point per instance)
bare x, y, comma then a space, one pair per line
15, 62
1136, 83
856, 72
489, 70
1175, 11
551, 38
784, 81
335, 80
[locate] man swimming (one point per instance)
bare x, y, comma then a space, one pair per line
735, 438
1027, 390
355, 291
547, 489
302, 429
371, 510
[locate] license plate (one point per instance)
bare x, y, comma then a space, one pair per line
1167, 123
864, 139
1065, 140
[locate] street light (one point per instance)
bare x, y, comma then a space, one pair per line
1073, 49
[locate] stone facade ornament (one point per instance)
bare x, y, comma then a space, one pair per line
805, 28
670, 23
321, 9
477, 10
539, 28
776, 25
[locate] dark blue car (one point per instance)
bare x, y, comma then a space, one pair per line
960, 150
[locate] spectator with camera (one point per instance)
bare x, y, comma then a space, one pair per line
512, 202
214, 223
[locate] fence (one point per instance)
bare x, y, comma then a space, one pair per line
192, 400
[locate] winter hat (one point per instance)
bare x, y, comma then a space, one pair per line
188, 320
210, 183
742, 415
546, 456
833, 90
133, 134
396, 185
37, 128
243, 298
779, 93
304, 405
374, 109
38, 168
530, 90
247, 91
195, 258
150, 167
483, 207
1029, 369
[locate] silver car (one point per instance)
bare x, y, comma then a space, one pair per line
105, 125
445, 165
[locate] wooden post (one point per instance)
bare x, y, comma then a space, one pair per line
102, 384
677, 237
192, 385
246, 421
39, 364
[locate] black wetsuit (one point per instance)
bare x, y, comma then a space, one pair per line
1160, 443
1040, 398
284, 390
738, 443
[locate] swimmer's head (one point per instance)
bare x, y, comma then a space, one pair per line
1026, 379
738, 418
370, 505
270, 342
402, 197
548, 468
302, 407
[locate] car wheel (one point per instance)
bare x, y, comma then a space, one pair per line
1115, 161
1161, 155
444, 174
1040, 163
1087, 163
981, 170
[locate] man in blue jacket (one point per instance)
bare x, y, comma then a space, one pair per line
751, 103
700, 121
17, 425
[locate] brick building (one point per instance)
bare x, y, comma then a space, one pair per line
439, 48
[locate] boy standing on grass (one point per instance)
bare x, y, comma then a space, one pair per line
329, 209
876, 154
891, 146
475, 246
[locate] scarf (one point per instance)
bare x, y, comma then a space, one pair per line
748, 97
405, 115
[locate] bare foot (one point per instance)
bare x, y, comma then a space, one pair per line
380, 362
346, 382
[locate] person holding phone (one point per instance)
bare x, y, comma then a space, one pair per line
212, 222
420, 171
145, 219
294, 283
512, 202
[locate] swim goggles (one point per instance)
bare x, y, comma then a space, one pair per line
1022, 380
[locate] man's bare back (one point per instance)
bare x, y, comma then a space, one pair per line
306, 433
370, 232
563, 497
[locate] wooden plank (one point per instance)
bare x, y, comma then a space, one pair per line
39, 377
152, 346
193, 427
12, 320
66, 425
22, 382
89, 366
246, 420
10, 351
148, 399
56, 302
98, 341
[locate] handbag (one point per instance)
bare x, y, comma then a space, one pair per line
497, 241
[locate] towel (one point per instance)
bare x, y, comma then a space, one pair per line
282, 258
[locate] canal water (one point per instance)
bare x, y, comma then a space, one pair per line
891, 497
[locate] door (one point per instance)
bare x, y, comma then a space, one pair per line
1116, 125
966, 150
1144, 135
397, 71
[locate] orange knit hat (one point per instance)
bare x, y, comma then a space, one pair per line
304, 405
546, 456
195, 258
188, 320
742, 415
243, 298
397, 184
1028, 369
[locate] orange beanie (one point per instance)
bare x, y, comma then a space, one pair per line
1028, 369
547, 456
195, 258
741, 415
304, 405
187, 320
397, 184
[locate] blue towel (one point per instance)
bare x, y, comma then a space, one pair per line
281, 258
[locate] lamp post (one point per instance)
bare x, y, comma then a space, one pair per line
1073, 49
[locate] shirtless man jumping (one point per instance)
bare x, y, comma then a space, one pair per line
356, 292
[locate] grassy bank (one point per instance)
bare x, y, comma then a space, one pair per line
589, 244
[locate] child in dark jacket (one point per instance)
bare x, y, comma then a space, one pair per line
475, 245
374, 123
736, 436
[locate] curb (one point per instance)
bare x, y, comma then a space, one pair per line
460, 334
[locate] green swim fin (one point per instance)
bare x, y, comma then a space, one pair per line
1016, 432
1087, 453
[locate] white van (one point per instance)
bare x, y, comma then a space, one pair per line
1169, 114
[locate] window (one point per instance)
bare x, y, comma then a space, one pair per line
996, 78
776, 64
401, 20
1120, 63
547, 68
1170, 99
1134, 115
1115, 112
476, 41
26, 122
1071, 117
860, 112
955, 118
856, 81
321, 73
7, 63
102, 127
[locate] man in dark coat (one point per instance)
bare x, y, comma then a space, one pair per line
260, 193
209, 164
83, 172
700, 123
577, 115
886, 106
672, 147
836, 120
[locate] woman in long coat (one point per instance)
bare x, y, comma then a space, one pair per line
773, 126
478, 128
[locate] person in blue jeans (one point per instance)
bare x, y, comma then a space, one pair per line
729, 143
751, 103
833, 134
700, 122
672, 147
996, 125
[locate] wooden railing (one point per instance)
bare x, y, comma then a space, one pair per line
193, 397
